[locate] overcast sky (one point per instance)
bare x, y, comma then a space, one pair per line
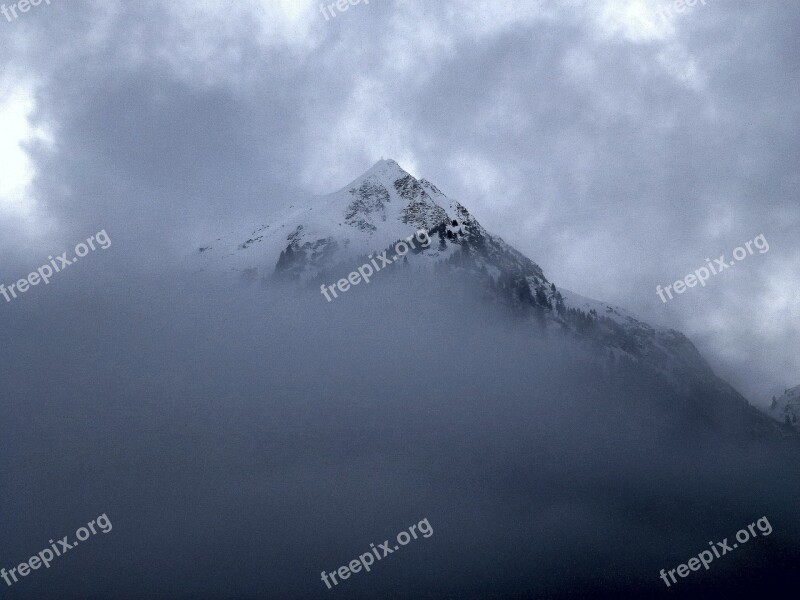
616, 146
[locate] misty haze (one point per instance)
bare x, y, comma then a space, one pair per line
475, 300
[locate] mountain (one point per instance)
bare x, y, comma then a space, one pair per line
321, 240
786, 409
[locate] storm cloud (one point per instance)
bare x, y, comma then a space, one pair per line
617, 148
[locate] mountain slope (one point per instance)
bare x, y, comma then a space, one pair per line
322, 240
786, 409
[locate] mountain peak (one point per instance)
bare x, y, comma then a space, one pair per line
386, 171
387, 168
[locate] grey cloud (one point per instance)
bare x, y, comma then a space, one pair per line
616, 162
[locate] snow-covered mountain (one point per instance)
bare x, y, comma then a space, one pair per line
786, 408
382, 205
323, 239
